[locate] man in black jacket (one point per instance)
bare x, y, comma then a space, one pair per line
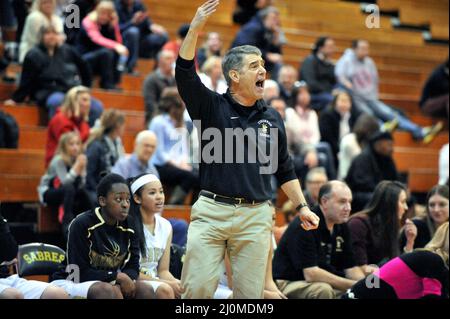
318, 72
14, 287
49, 70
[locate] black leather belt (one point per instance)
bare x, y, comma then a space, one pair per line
228, 200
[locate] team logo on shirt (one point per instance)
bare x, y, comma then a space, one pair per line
264, 128
339, 244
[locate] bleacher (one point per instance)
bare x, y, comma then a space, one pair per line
403, 57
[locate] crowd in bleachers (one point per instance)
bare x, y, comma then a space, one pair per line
339, 134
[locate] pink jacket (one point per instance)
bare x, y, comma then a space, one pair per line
93, 31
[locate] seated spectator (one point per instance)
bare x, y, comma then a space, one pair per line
175, 45
103, 242
443, 165
287, 80
304, 120
318, 72
212, 76
14, 287
155, 236
63, 187
373, 165
264, 32
172, 157
104, 148
49, 71
100, 44
141, 36
319, 264
434, 100
271, 90
157, 81
140, 161
247, 9
211, 47
422, 274
315, 179
436, 215
375, 230
72, 116
304, 155
337, 121
84, 8
352, 144
357, 72
42, 14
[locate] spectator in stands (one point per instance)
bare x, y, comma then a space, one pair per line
352, 144
304, 120
84, 8
49, 71
247, 9
375, 230
319, 264
172, 157
155, 236
318, 72
8, 28
212, 47
140, 161
104, 148
42, 15
141, 36
304, 154
436, 215
287, 80
100, 44
315, 179
443, 165
373, 165
271, 90
14, 287
72, 116
103, 242
212, 76
62, 188
422, 274
157, 81
264, 32
175, 45
357, 72
434, 100
337, 121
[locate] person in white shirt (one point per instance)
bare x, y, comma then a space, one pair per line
155, 236
211, 75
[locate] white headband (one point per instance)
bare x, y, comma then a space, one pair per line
141, 181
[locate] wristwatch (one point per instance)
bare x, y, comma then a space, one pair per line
299, 207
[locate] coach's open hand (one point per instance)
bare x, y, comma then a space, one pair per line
203, 13
309, 220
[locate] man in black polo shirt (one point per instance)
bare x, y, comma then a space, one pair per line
233, 211
317, 264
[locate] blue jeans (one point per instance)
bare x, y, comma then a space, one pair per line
131, 38
151, 44
104, 62
385, 113
55, 100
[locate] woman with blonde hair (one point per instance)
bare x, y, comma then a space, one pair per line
72, 116
211, 75
63, 185
104, 148
43, 13
417, 275
100, 44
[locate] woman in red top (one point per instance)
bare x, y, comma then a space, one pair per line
72, 116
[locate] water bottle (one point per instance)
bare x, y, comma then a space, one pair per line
122, 63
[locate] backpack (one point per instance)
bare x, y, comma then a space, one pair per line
9, 131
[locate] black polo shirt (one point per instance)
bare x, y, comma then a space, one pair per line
219, 113
300, 249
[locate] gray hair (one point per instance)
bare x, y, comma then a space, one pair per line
233, 59
142, 135
265, 12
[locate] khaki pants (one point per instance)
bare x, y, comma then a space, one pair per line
306, 290
244, 230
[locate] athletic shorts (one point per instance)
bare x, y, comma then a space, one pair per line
30, 289
75, 291
222, 292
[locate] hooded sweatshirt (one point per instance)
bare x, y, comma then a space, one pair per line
362, 74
